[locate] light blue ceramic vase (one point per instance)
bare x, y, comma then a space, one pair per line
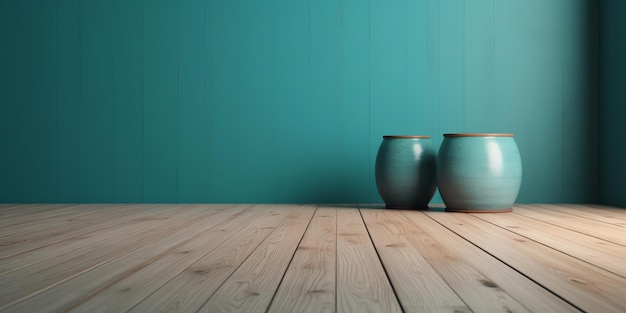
479, 172
406, 171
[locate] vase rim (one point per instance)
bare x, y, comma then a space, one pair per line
406, 137
478, 135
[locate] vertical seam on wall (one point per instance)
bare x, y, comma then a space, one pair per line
142, 99
599, 99
406, 66
464, 102
237, 98
204, 96
78, 100
340, 83
563, 114
56, 12
178, 106
115, 104
438, 67
369, 99
493, 74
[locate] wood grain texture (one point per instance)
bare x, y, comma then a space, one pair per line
601, 230
481, 280
191, 288
93, 253
362, 284
104, 235
582, 284
308, 258
66, 231
120, 284
418, 285
19, 212
252, 286
60, 222
603, 254
309, 284
610, 215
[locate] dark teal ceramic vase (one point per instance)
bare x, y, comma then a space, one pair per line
479, 172
406, 171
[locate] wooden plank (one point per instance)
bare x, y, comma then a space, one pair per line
10, 206
418, 285
190, 289
68, 219
252, 286
611, 208
362, 284
482, 281
605, 214
120, 284
61, 241
17, 285
603, 254
21, 211
581, 284
309, 284
29, 217
604, 231
42, 222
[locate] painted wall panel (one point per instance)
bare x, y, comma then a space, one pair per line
222, 102
308, 117
260, 71
287, 101
451, 66
613, 95
479, 66
581, 103
160, 101
127, 151
67, 102
29, 101
422, 69
192, 114
6, 139
96, 110
17, 59
44, 142
354, 112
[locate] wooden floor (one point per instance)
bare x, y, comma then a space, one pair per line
310, 258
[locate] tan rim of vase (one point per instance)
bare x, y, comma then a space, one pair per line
406, 137
478, 135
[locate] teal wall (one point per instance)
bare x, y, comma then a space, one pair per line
613, 97
285, 100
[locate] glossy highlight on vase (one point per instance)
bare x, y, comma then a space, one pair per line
479, 172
